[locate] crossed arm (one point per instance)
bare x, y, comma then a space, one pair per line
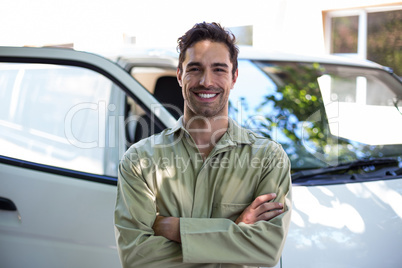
259, 210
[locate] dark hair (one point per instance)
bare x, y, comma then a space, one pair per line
208, 31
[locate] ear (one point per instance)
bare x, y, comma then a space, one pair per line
179, 78
236, 74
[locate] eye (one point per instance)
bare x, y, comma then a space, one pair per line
220, 70
193, 69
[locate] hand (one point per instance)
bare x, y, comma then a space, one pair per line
261, 210
168, 227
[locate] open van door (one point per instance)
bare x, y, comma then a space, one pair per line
62, 132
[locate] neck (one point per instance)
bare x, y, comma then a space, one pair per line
206, 132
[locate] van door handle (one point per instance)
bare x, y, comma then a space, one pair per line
7, 204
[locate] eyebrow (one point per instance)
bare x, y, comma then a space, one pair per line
220, 65
193, 63
217, 64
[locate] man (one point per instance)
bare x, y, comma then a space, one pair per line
205, 193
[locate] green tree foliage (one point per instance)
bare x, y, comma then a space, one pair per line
384, 39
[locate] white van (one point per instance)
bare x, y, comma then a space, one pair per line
66, 118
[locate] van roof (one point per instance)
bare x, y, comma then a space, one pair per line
247, 52
259, 54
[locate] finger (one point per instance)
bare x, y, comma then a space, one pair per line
269, 215
268, 207
262, 199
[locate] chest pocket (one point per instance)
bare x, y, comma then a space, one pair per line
228, 211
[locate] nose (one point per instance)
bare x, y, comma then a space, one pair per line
206, 79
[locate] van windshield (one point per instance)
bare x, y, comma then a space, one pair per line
322, 114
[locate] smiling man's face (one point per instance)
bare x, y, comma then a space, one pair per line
206, 79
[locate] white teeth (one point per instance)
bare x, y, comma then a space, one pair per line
207, 96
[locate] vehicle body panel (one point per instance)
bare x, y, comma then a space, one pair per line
346, 225
59, 222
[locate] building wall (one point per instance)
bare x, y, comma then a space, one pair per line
99, 25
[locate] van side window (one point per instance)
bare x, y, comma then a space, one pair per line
59, 116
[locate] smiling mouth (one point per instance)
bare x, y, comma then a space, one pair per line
206, 96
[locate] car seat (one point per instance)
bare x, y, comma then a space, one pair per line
168, 93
